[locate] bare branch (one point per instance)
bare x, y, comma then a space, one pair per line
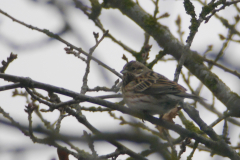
10, 86
222, 67
52, 35
91, 50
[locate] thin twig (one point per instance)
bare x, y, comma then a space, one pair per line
85, 77
219, 120
38, 129
224, 4
10, 86
222, 67
195, 146
52, 35
169, 139
39, 99
115, 88
76, 54
70, 102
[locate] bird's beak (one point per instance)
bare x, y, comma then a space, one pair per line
124, 71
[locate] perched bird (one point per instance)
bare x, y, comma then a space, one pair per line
150, 92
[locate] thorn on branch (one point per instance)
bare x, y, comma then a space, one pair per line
207, 50
221, 37
91, 50
30, 108
165, 15
179, 23
96, 10
96, 35
125, 58
237, 18
5, 64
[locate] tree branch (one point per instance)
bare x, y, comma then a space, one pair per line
52, 35
193, 62
217, 146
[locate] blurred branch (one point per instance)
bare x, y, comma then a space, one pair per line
214, 110
136, 125
10, 86
224, 116
90, 143
25, 130
222, 67
194, 149
97, 22
50, 34
224, 4
214, 145
179, 25
169, 140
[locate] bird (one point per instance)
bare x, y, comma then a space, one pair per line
151, 92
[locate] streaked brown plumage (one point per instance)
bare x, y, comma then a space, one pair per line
146, 90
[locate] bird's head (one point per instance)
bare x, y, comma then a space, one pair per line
134, 68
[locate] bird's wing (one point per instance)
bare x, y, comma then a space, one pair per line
154, 83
